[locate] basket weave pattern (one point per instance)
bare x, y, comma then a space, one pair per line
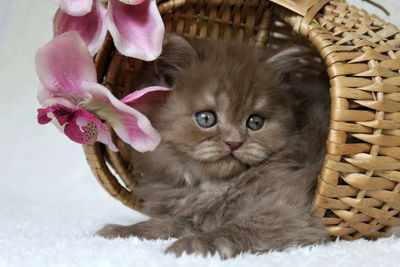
358, 188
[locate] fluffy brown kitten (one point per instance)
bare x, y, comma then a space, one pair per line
243, 138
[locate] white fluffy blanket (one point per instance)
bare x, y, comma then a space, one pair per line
50, 203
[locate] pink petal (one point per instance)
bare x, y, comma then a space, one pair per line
86, 128
86, 135
146, 96
75, 7
80, 125
63, 114
62, 65
43, 95
104, 137
42, 116
129, 124
46, 98
91, 27
137, 30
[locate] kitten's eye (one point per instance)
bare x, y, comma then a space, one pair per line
255, 122
206, 119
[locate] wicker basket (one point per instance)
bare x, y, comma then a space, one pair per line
358, 187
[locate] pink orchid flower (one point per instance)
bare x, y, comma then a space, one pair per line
70, 95
135, 25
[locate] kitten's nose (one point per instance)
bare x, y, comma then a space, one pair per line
233, 145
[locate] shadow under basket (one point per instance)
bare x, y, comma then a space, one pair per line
358, 187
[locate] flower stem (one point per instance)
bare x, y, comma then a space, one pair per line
378, 6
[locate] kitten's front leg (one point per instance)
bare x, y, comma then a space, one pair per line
154, 228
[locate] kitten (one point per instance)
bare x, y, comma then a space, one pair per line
243, 138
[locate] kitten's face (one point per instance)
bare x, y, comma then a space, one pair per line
226, 113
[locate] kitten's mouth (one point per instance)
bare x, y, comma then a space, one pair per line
231, 156
246, 163
232, 159
226, 157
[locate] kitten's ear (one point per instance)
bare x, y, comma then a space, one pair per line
292, 63
177, 54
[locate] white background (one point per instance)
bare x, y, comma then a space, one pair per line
50, 203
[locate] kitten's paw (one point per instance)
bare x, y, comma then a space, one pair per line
111, 231
203, 245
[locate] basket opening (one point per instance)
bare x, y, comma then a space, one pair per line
242, 21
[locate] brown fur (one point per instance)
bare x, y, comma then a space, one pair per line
256, 198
